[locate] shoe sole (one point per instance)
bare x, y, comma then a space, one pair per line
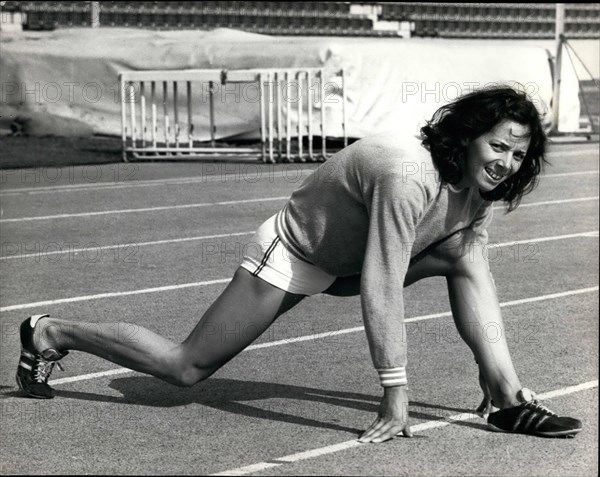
569, 433
28, 393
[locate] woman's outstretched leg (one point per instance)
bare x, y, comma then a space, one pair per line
245, 309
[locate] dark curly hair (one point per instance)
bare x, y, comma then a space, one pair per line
455, 125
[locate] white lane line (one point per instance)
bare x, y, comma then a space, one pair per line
551, 202
143, 209
135, 245
591, 233
124, 246
84, 377
244, 176
329, 334
232, 202
249, 177
225, 280
320, 451
567, 174
113, 294
573, 152
550, 296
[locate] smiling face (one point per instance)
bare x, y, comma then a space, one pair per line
495, 156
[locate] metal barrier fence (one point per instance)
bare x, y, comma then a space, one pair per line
171, 114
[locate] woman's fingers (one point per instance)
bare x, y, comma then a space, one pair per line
382, 430
391, 431
368, 434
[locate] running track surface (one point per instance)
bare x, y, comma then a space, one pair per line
153, 244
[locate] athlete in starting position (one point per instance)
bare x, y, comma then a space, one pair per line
390, 210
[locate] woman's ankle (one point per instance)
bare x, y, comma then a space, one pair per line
501, 396
506, 398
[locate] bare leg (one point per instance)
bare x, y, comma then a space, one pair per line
479, 321
477, 316
245, 309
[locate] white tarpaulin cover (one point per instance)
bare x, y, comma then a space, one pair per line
66, 82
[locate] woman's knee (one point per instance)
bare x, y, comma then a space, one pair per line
473, 266
191, 375
184, 371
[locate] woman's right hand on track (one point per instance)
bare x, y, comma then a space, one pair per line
392, 418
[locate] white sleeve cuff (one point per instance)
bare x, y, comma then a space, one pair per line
392, 377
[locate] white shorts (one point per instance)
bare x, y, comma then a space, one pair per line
266, 257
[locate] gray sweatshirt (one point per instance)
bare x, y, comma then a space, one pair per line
369, 209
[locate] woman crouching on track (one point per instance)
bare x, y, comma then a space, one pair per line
391, 210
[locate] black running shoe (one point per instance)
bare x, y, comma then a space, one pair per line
34, 367
531, 417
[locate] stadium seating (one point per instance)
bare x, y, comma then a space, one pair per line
500, 20
451, 20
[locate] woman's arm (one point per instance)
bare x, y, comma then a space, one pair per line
396, 208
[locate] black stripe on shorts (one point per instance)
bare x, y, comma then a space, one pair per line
269, 251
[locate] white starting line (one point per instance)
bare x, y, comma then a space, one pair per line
320, 451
